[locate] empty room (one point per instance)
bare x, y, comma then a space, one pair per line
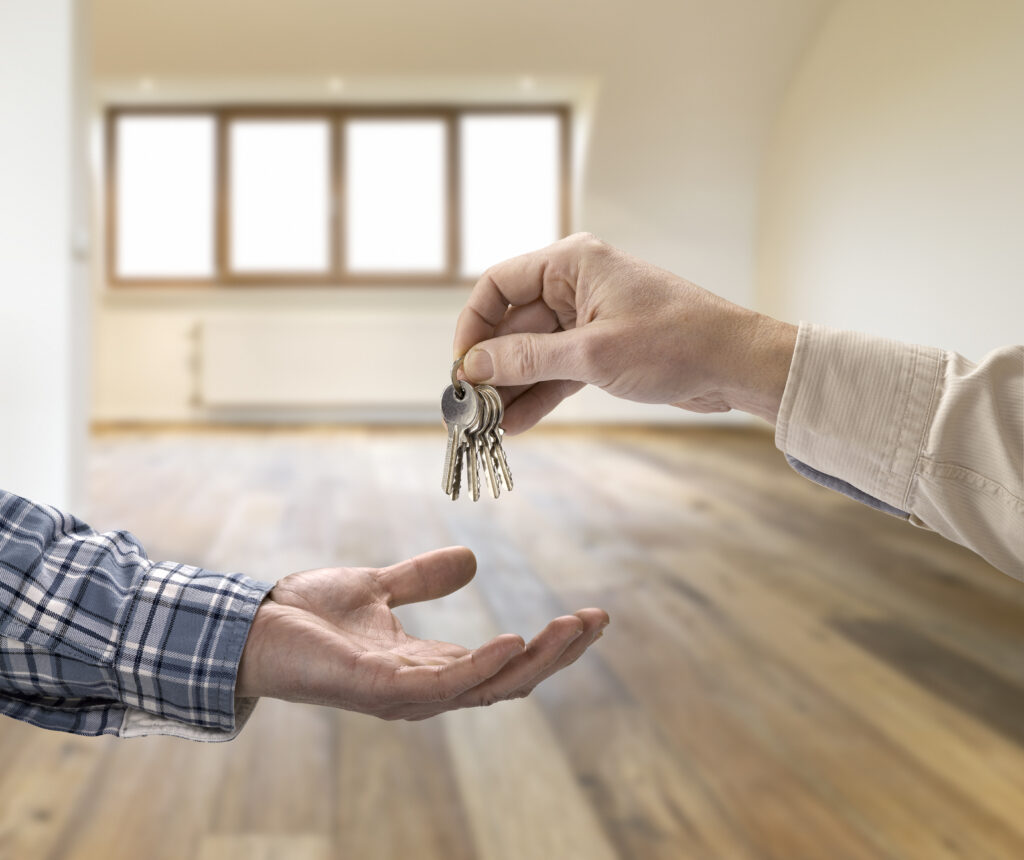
497, 431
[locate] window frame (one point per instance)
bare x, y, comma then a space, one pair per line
336, 115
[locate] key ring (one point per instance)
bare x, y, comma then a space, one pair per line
457, 383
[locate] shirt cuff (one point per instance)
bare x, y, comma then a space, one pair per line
137, 724
177, 660
857, 408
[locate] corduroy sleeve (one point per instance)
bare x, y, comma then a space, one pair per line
917, 431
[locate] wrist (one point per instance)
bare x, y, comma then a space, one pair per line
764, 354
249, 681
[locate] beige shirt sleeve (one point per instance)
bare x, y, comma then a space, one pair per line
919, 429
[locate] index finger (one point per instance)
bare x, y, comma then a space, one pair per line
517, 281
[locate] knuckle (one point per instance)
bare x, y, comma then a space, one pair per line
587, 242
595, 354
582, 237
525, 359
489, 699
439, 689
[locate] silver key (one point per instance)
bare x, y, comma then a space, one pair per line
460, 411
502, 459
469, 445
496, 449
457, 477
480, 437
486, 436
499, 450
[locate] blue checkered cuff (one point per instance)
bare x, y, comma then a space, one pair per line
92, 631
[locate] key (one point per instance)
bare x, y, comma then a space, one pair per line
456, 476
472, 462
502, 459
499, 450
486, 435
496, 448
460, 412
487, 442
482, 437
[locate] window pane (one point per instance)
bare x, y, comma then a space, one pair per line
511, 178
165, 196
395, 178
280, 199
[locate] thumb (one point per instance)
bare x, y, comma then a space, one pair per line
522, 359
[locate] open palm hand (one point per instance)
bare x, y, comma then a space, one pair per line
329, 637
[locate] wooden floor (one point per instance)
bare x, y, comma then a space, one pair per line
787, 674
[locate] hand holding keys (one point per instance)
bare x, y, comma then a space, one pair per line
473, 415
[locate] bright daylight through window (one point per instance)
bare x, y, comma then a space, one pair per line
279, 196
165, 196
395, 180
377, 195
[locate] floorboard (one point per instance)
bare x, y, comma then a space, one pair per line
787, 675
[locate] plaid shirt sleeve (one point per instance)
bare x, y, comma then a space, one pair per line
97, 639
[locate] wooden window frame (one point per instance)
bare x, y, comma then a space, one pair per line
336, 115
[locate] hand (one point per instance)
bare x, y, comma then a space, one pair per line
328, 637
580, 311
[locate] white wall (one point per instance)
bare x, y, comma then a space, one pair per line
678, 96
41, 355
893, 193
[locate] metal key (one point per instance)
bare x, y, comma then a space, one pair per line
502, 459
486, 436
469, 444
480, 437
457, 479
460, 411
498, 450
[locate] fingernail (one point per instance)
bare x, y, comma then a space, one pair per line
478, 365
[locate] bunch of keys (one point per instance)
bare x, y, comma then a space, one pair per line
473, 414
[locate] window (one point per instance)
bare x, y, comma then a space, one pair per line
510, 186
280, 195
165, 197
395, 181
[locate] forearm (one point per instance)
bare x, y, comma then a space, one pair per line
97, 639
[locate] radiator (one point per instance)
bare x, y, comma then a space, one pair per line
310, 361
